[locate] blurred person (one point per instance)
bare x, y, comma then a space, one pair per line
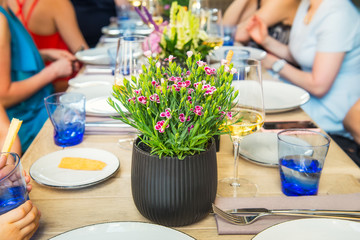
325, 44
352, 121
352, 124
278, 15
53, 25
24, 80
92, 15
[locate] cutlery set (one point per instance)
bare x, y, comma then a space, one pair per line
245, 216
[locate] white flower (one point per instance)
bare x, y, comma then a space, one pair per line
158, 64
233, 71
189, 53
224, 61
147, 53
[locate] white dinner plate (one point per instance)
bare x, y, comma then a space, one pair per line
124, 231
255, 53
45, 170
282, 97
114, 31
98, 56
91, 80
312, 229
262, 148
100, 107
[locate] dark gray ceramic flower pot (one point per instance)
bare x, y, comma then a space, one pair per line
174, 192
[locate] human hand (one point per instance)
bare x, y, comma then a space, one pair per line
51, 54
62, 68
257, 29
6, 166
20, 223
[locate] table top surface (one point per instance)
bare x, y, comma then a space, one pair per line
111, 200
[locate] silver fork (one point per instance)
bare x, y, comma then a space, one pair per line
252, 217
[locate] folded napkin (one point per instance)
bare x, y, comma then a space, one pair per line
98, 69
331, 202
106, 125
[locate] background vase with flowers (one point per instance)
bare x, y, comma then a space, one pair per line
177, 112
182, 33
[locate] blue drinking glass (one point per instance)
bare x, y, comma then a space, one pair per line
302, 155
67, 114
13, 191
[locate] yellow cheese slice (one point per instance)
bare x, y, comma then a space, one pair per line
77, 163
11, 135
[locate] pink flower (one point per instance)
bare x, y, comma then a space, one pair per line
173, 79
182, 117
191, 127
160, 126
189, 99
233, 71
155, 98
209, 70
151, 43
190, 90
167, 7
201, 63
229, 115
197, 110
158, 64
137, 91
171, 57
188, 73
142, 99
132, 99
224, 61
166, 114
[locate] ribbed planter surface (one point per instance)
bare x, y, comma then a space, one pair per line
174, 192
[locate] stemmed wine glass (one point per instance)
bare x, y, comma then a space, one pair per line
129, 59
214, 28
247, 117
196, 6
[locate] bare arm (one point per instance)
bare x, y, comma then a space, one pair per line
235, 11
318, 82
258, 30
271, 12
352, 121
66, 23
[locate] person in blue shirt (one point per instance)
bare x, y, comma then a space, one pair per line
24, 81
325, 44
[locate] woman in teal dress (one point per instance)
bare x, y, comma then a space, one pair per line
24, 81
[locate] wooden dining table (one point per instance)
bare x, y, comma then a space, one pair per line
111, 200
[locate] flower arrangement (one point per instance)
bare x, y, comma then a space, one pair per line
176, 110
181, 34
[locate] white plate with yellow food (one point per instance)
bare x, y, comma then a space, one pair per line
74, 168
